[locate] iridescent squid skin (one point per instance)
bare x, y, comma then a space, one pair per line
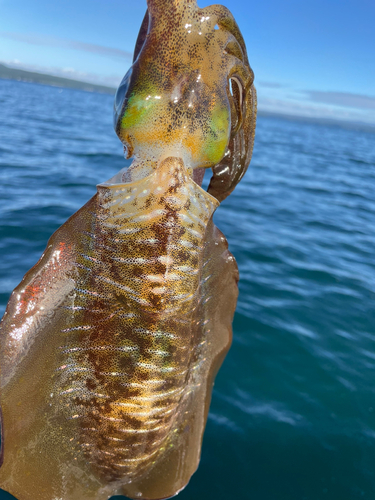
111, 342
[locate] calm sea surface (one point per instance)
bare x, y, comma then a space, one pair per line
293, 409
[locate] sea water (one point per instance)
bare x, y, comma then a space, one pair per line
293, 408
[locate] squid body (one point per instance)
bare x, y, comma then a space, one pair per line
110, 344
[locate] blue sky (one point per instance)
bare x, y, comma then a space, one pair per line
310, 58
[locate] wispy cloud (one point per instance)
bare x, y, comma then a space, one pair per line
51, 41
271, 85
315, 110
345, 99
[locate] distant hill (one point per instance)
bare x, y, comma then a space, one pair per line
29, 76
351, 125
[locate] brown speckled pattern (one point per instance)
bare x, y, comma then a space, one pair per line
110, 344
189, 93
128, 342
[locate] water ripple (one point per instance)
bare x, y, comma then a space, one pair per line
292, 413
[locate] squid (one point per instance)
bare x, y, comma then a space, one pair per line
110, 344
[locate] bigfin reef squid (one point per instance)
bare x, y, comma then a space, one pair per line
110, 344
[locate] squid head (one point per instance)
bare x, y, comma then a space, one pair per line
189, 93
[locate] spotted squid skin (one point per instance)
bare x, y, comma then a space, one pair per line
122, 398
190, 93
130, 339
110, 344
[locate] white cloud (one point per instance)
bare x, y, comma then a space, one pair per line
346, 99
312, 110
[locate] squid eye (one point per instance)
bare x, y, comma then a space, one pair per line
236, 92
120, 97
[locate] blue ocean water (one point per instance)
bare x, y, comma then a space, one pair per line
293, 409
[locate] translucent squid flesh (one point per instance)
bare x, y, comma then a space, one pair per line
110, 344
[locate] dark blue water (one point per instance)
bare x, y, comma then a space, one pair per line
293, 410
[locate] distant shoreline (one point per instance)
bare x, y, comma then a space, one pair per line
8, 73
21, 75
